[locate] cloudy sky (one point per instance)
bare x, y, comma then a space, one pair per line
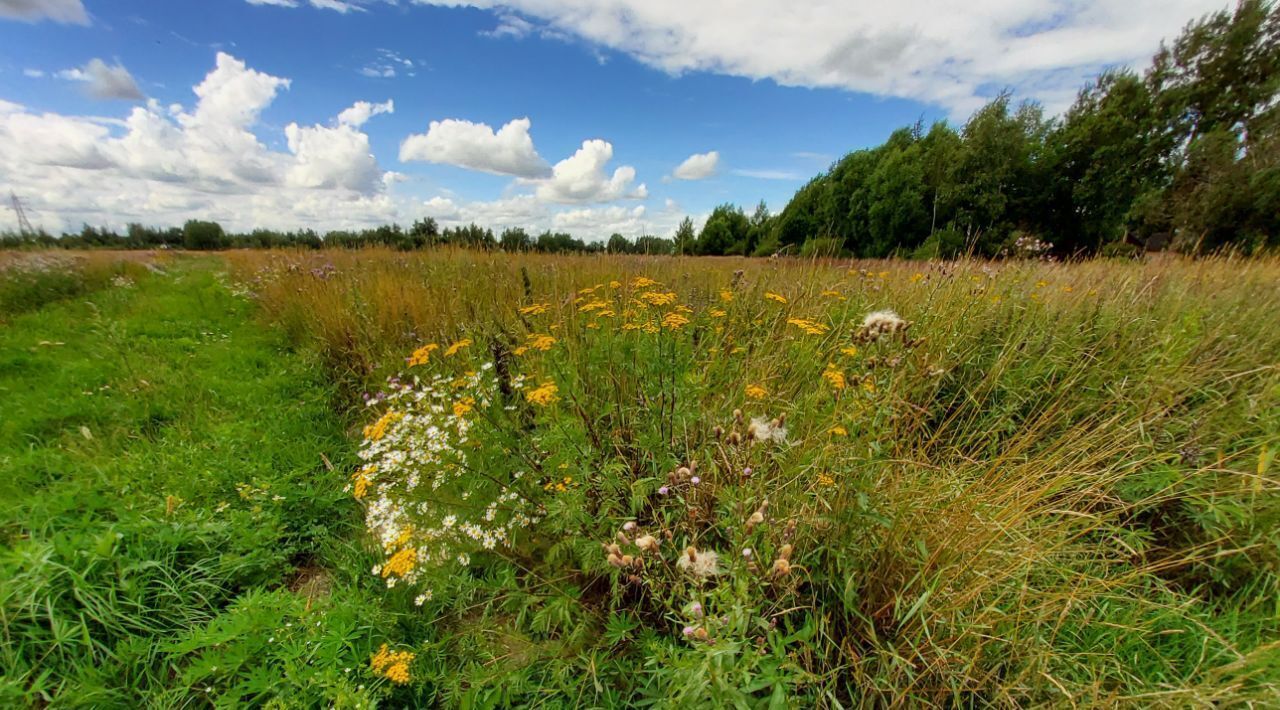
586, 116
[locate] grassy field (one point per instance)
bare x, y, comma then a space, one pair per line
464, 479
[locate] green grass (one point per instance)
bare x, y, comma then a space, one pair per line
166, 507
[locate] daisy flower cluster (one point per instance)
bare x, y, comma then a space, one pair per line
430, 498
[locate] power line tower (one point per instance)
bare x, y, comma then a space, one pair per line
24, 224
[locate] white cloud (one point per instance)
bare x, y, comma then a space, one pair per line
163, 165
362, 111
276, 3
337, 5
581, 177
768, 174
387, 64
476, 146
698, 166
104, 81
66, 11
33, 73
951, 54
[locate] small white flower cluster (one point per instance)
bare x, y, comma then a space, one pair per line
1028, 247
425, 502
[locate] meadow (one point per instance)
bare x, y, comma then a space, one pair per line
459, 478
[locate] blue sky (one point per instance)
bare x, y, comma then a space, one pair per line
775, 90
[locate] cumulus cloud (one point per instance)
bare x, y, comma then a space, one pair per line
581, 177
951, 54
476, 146
66, 11
386, 64
698, 166
341, 6
362, 111
163, 165
105, 81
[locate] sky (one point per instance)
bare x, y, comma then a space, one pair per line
589, 117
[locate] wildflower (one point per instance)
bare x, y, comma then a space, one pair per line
535, 309
747, 552
718, 312
656, 298
674, 321
596, 305
688, 631
835, 377
746, 472
392, 665
702, 565
775, 297
830, 293
629, 526
615, 284
643, 282
378, 429
696, 609
544, 395
695, 480
361, 481
808, 326
756, 392
838, 430
453, 349
401, 563
917, 277
422, 598
726, 296
422, 354
825, 480
762, 429
520, 350
664, 490
541, 341
879, 323
849, 350
647, 543
463, 406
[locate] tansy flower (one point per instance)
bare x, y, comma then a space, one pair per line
917, 277
360, 481
726, 295
808, 326
392, 665
401, 563
825, 480
378, 429
541, 342
849, 350
657, 298
775, 297
717, 312
838, 430
543, 395
520, 350
453, 349
463, 406
535, 309
829, 293
422, 354
756, 392
615, 284
593, 306
643, 282
834, 376
674, 321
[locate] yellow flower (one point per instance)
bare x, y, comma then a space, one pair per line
835, 377
422, 354
869, 386
825, 480
541, 342
643, 282
543, 395
830, 293
593, 306
726, 295
392, 665
808, 326
520, 350
535, 309
718, 313
674, 321
361, 481
775, 297
453, 349
838, 430
401, 563
378, 429
849, 350
917, 277
615, 284
657, 298
463, 406
756, 392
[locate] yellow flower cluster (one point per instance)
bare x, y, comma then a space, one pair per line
360, 481
835, 377
453, 349
643, 282
535, 309
541, 342
422, 354
543, 395
378, 429
392, 665
658, 298
775, 297
463, 406
809, 326
401, 563
756, 392
825, 480
674, 321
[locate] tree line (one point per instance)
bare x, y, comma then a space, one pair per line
1185, 155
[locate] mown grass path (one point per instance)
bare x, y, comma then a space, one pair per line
167, 514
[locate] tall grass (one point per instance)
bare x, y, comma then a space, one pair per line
1056, 489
